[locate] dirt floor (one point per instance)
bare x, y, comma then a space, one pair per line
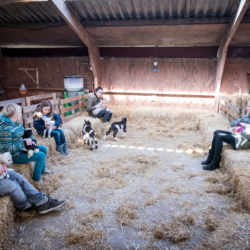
146, 191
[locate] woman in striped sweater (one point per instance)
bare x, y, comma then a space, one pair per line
11, 140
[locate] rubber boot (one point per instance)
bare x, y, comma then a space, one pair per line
60, 150
65, 148
214, 164
209, 158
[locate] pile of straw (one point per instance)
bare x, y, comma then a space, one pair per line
85, 234
126, 213
175, 232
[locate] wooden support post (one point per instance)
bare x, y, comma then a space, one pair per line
226, 39
80, 31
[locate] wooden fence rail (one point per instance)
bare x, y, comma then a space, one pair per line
80, 106
229, 110
28, 108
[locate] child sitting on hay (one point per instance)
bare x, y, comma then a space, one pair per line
21, 192
214, 156
96, 108
46, 110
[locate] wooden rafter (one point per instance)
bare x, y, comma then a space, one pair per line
80, 31
6, 2
222, 51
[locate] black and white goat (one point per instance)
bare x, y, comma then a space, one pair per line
31, 149
116, 127
89, 135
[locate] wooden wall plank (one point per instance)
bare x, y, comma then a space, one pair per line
235, 79
181, 75
51, 72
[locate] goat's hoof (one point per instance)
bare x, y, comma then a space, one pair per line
96, 147
116, 139
91, 149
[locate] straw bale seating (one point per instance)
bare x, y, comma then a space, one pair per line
236, 162
72, 131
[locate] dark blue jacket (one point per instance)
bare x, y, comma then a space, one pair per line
39, 125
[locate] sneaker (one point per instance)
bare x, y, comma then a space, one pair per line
50, 205
46, 171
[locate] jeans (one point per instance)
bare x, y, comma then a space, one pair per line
21, 192
40, 159
221, 136
59, 136
106, 114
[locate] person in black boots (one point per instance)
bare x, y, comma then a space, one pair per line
241, 126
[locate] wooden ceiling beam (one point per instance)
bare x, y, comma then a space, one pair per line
80, 31
225, 41
165, 22
7, 2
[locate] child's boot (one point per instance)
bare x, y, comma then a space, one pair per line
60, 149
65, 148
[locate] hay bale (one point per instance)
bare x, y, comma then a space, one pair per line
237, 163
239, 100
210, 122
6, 222
73, 128
48, 142
25, 169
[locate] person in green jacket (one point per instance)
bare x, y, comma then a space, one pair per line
11, 140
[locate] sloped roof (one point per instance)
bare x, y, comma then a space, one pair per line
106, 10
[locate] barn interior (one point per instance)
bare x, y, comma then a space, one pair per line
179, 70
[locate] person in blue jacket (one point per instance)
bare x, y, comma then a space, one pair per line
46, 109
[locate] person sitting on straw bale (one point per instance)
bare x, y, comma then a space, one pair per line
46, 110
23, 194
11, 134
96, 108
241, 126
